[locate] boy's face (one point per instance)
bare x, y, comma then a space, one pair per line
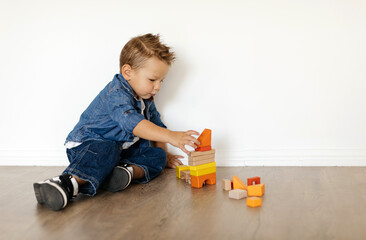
146, 81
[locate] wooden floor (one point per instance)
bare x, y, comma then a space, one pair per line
299, 203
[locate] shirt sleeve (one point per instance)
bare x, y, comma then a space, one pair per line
120, 108
155, 116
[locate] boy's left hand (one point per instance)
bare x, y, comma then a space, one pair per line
173, 160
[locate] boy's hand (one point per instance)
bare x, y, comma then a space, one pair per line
173, 160
180, 139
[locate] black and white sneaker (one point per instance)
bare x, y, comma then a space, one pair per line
56, 192
118, 179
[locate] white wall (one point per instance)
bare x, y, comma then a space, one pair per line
278, 82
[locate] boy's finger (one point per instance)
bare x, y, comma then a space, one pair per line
179, 162
196, 142
193, 132
191, 144
184, 150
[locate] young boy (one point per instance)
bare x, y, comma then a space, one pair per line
110, 145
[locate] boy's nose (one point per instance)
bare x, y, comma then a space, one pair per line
157, 86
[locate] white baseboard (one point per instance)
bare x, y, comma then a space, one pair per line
293, 157
33, 157
246, 157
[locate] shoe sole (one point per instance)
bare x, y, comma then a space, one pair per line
50, 194
118, 180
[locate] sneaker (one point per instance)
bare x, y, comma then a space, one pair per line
118, 179
55, 192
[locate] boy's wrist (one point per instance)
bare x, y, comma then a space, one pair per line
169, 136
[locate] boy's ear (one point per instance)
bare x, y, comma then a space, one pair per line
126, 71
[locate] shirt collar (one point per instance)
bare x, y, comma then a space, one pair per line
128, 87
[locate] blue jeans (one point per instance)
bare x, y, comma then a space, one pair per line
94, 160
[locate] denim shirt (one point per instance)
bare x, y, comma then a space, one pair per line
113, 115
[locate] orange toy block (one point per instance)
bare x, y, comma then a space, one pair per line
254, 181
197, 181
238, 184
203, 149
205, 141
256, 190
254, 201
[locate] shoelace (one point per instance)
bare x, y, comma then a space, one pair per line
66, 182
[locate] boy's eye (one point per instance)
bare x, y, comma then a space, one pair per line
152, 80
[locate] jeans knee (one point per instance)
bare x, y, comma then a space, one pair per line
162, 157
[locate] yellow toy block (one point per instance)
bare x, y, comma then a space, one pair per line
256, 190
203, 169
254, 201
238, 184
180, 168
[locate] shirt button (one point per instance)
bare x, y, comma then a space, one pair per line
131, 137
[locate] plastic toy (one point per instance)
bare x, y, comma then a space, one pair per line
254, 201
238, 194
256, 190
181, 168
197, 181
239, 184
205, 140
254, 181
226, 184
203, 169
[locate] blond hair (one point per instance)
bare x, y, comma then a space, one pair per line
141, 48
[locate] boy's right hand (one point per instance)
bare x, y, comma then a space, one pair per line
180, 139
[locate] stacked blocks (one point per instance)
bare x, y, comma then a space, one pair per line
181, 168
202, 162
202, 165
205, 141
201, 157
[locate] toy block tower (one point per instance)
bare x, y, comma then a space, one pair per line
202, 162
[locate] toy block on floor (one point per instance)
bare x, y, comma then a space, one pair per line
226, 184
256, 190
238, 184
203, 169
254, 201
186, 175
198, 181
181, 168
205, 140
254, 181
238, 194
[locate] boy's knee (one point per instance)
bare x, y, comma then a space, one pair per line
161, 156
